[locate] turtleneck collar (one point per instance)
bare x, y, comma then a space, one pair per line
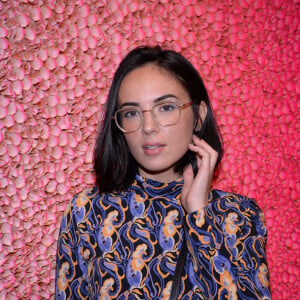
156, 188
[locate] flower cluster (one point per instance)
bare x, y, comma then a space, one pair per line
57, 59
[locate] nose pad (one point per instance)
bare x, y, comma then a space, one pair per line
148, 123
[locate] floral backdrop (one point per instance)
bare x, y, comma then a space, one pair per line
57, 59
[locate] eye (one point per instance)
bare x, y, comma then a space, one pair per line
167, 107
130, 113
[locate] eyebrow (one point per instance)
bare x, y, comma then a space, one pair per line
161, 98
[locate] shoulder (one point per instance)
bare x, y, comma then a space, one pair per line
239, 211
219, 195
81, 201
228, 201
84, 201
81, 198
229, 213
88, 205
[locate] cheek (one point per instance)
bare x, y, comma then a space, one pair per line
132, 141
180, 136
186, 128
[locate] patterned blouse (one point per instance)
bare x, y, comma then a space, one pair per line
126, 246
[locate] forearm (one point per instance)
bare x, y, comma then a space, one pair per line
227, 243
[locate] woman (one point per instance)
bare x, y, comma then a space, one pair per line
154, 161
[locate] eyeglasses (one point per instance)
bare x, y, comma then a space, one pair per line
166, 113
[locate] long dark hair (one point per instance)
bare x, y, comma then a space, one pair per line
114, 165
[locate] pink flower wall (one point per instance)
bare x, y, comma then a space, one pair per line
57, 59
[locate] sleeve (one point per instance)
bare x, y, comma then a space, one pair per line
71, 269
227, 243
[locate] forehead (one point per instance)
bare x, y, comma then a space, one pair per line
148, 83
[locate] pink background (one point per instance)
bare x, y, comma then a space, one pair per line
57, 61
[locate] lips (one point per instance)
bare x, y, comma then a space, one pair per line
153, 149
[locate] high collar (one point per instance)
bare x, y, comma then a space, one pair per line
154, 188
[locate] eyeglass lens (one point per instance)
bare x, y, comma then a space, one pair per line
165, 114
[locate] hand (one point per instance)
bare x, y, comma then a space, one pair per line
195, 189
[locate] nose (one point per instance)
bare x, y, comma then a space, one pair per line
149, 124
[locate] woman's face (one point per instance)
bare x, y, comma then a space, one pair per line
156, 148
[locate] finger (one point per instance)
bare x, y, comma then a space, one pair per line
203, 157
205, 162
204, 144
213, 154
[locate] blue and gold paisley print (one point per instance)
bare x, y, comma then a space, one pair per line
126, 246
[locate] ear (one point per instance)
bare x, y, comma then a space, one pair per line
202, 111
